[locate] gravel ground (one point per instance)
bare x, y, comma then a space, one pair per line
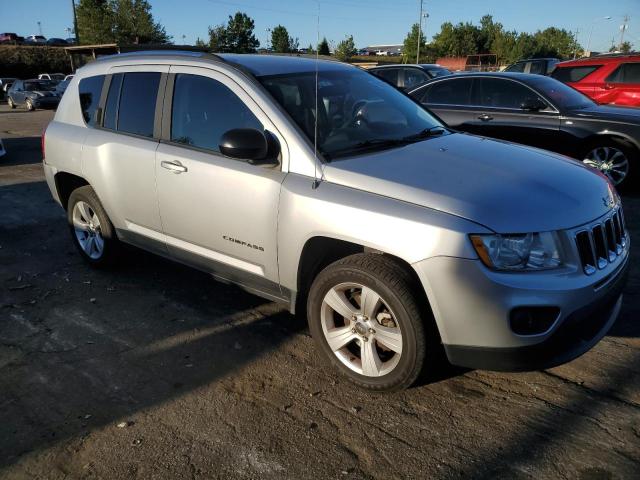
157, 371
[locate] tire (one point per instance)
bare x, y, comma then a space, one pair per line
29, 105
605, 152
398, 308
11, 104
95, 240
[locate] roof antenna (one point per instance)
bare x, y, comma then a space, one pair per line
316, 180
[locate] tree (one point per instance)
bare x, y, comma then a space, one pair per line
457, 40
134, 23
95, 21
281, 42
555, 42
346, 49
410, 45
201, 43
218, 41
234, 37
625, 47
323, 47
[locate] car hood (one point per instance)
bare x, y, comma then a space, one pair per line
505, 187
612, 113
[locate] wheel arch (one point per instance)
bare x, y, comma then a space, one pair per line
594, 138
66, 183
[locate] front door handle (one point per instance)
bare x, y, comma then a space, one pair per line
175, 166
484, 117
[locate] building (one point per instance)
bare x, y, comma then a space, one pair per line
390, 50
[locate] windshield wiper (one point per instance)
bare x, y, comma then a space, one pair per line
426, 133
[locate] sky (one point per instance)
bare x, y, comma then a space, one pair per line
371, 22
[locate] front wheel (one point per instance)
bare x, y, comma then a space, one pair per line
11, 104
91, 230
367, 320
30, 106
614, 158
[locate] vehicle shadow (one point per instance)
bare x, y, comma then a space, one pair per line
21, 151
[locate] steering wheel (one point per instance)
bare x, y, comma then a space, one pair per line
358, 113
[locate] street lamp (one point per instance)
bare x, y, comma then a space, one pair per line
593, 24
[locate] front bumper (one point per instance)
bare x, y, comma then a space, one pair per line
472, 307
46, 102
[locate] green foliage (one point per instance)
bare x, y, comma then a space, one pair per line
29, 62
281, 42
121, 21
323, 47
624, 47
346, 49
234, 37
410, 45
201, 43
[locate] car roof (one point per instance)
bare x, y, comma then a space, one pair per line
256, 64
540, 58
527, 78
601, 59
407, 65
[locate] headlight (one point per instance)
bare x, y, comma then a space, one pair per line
529, 251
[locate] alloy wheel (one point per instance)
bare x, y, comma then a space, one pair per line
86, 225
361, 330
609, 160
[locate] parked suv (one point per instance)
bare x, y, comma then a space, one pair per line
611, 79
539, 66
396, 235
407, 77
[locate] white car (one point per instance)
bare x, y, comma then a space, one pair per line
382, 53
68, 77
51, 76
35, 39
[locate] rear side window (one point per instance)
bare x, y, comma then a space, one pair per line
516, 67
389, 74
204, 109
538, 68
131, 103
449, 92
626, 73
89, 90
573, 74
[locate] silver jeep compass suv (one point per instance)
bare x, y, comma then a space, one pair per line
317, 184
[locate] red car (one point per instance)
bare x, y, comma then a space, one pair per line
611, 79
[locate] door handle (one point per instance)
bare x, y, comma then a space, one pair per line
608, 86
484, 117
175, 166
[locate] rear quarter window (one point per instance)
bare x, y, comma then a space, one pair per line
573, 74
89, 90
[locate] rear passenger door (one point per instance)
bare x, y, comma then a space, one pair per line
622, 86
219, 214
449, 99
119, 155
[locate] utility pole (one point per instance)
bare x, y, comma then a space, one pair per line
419, 33
40, 27
623, 27
75, 23
575, 43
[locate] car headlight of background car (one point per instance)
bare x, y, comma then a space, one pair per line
528, 251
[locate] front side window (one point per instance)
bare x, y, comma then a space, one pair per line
573, 74
448, 92
498, 93
625, 73
389, 74
355, 111
537, 68
90, 89
203, 109
413, 77
516, 67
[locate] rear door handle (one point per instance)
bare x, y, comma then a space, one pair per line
175, 166
608, 86
484, 117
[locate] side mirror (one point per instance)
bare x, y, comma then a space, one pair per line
533, 105
254, 146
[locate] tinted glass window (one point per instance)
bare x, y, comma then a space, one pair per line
538, 68
516, 67
389, 74
498, 93
573, 74
561, 95
111, 108
625, 73
90, 89
449, 92
438, 72
413, 77
204, 109
137, 108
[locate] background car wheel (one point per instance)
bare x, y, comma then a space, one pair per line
368, 321
11, 104
615, 158
91, 230
29, 105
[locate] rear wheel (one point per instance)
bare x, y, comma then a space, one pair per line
367, 321
91, 230
615, 158
11, 104
29, 105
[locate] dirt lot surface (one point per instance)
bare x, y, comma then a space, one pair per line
157, 371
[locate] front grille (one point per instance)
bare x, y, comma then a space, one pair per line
602, 243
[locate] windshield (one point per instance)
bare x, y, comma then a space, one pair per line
562, 95
356, 111
40, 85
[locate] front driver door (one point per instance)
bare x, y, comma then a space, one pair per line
449, 99
219, 214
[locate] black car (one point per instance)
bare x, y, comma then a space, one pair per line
542, 112
57, 42
407, 77
33, 94
540, 66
